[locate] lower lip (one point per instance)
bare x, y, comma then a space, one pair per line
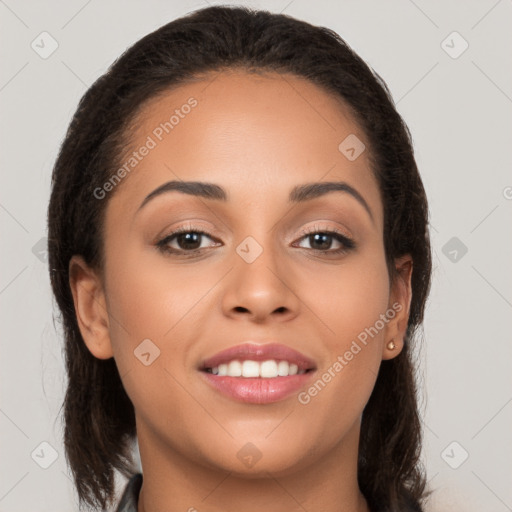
258, 390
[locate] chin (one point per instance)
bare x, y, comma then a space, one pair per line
256, 458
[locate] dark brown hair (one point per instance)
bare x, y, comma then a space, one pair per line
99, 417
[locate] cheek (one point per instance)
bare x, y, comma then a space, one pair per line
350, 298
149, 297
352, 314
149, 311
362, 298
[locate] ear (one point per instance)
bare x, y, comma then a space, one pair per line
399, 302
90, 307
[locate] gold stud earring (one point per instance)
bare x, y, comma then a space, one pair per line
391, 345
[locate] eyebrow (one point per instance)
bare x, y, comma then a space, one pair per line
298, 194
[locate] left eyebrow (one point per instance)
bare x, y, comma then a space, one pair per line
310, 191
298, 194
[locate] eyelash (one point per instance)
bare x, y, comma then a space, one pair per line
163, 245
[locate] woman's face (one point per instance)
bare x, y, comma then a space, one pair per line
259, 276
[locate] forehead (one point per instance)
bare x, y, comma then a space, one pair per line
257, 134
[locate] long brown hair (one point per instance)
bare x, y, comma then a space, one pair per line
99, 417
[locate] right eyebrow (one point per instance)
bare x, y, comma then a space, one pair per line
194, 188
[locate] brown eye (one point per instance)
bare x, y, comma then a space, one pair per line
184, 240
323, 240
188, 241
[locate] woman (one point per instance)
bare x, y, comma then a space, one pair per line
238, 244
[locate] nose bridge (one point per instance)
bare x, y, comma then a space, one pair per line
259, 257
259, 244
259, 280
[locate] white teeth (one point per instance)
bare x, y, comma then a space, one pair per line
283, 368
235, 369
250, 369
266, 369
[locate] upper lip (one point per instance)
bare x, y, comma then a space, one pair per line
254, 352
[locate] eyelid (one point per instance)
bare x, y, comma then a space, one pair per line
316, 228
323, 226
189, 225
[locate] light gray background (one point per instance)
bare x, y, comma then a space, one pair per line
459, 111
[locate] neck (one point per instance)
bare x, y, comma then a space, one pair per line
172, 482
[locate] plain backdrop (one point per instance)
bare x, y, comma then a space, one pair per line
448, 67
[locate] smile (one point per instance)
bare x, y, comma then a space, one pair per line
258, 374
266, 370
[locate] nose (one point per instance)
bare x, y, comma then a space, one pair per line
261, 290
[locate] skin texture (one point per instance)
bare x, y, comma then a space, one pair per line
257, 136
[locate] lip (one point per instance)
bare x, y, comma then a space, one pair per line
253, 352
259, 390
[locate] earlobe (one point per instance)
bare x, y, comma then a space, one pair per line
90, 307
400, 302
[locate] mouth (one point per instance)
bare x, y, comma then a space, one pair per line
258, 374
